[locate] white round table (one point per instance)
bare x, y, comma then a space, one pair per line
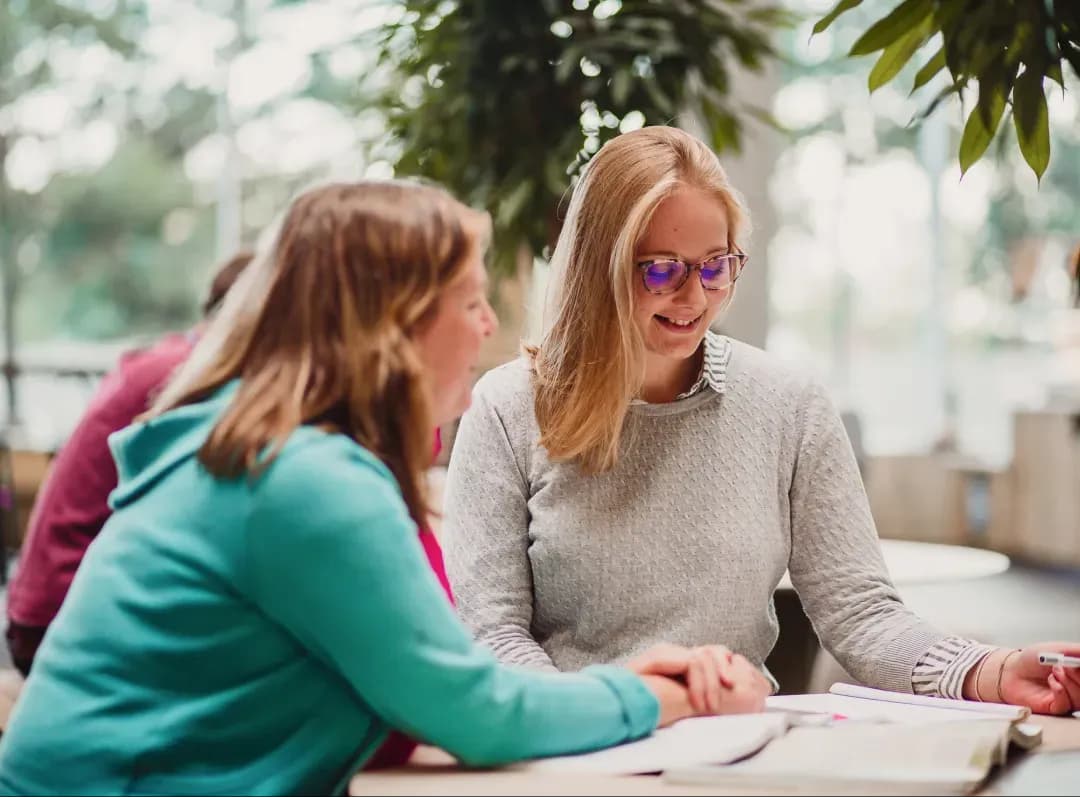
926, 562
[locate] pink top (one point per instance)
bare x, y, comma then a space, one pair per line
397, 748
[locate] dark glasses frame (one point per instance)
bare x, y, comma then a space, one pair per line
737, 262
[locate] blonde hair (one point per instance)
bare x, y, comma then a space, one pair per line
319, 330
589, 363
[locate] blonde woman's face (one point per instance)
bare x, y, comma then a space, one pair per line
450, 343
689, 226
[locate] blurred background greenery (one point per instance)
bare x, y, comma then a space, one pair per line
142, 140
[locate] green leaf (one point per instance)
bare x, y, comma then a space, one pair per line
838, 9
929, 70
1053, 71
906, 16
953, 88
1032, 121
979, 132
895, 56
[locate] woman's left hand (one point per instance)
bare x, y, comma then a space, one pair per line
717, 680
1043, 688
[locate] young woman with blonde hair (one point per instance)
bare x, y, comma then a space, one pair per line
637, 478
257, 613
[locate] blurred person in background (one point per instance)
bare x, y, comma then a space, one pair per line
258, 612
638, 478
72, 504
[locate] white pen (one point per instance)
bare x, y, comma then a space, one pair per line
1059, 660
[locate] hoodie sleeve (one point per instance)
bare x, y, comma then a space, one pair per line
335, 559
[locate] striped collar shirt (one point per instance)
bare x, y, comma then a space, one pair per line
713, 367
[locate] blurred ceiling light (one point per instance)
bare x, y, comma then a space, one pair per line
89, 148
177, 226
562, 29
45, 112
30, 164
802, 103
204, 161
264, 73
632, 121
965, 203
607, 8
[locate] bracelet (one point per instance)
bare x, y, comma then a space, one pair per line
1001, 698
978, 674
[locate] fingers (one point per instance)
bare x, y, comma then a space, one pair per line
708, 671
713, 690
1059, 698
1069, 678
704, 683
724, 665
664, 659
750, 690
695, 684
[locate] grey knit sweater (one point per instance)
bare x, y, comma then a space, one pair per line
714, 496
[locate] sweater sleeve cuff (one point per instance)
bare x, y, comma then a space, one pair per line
641, 709
941, 670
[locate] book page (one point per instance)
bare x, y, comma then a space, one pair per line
857, 708
996, 709
700, 740
948, 757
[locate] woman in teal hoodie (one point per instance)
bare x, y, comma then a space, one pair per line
258, 613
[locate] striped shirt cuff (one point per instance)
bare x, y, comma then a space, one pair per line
940, 672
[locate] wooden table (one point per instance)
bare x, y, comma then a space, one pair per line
433, 772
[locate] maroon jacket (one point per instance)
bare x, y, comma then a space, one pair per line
72, 505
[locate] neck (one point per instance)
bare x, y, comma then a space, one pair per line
666, 378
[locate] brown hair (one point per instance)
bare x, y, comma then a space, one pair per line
319, 330
590, 361
226, 275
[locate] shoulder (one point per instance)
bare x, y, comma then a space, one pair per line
506, 384
764, 376
326, 475
767, 385
154, 364
507, 391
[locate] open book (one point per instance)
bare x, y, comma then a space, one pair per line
876, 705
859, 740
701, 740
865, 758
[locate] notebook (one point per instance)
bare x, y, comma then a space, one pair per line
865, 758
700, 740
860, 740
876, 705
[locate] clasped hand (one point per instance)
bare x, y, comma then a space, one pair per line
700, 681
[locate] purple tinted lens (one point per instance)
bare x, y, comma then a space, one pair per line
662, 275
716, 273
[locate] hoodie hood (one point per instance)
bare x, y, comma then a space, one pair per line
146, 452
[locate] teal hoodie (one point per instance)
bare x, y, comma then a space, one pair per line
262, 637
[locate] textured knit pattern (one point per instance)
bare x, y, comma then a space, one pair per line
685, 541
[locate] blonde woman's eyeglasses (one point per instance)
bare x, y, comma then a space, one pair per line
667, 275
